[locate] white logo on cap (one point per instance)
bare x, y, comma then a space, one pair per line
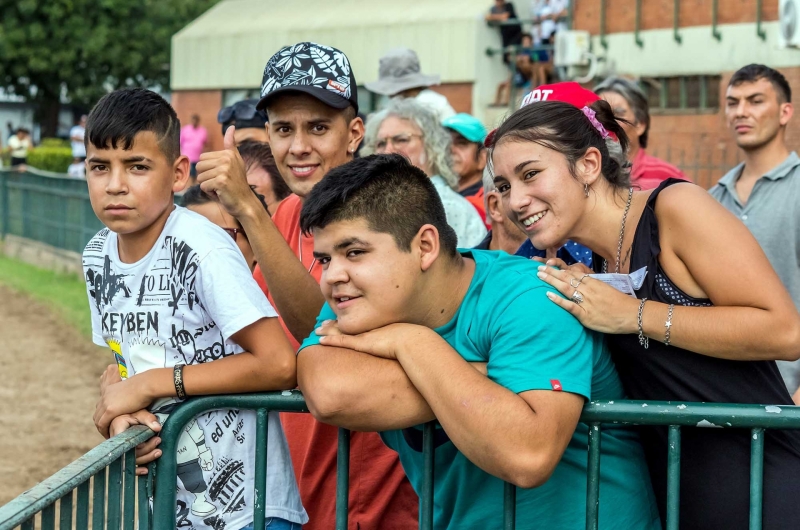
536, 95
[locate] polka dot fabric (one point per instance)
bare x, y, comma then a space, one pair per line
676, 296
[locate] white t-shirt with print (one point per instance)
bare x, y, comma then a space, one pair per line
181, 303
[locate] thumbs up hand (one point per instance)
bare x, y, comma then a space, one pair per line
222, 173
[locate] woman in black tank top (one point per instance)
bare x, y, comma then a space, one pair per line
716, 315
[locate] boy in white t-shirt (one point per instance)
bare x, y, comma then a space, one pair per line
172, 297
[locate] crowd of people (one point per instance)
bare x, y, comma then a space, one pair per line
528, 54
417, 268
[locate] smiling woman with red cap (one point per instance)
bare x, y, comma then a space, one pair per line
706, 323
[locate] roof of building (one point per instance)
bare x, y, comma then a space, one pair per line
228, 46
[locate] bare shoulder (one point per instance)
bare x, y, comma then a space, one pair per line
687, 202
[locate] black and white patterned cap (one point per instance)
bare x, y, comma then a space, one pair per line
315, 69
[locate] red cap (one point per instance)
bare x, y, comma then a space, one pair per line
568, 92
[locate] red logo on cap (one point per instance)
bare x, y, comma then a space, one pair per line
336, 86
556, 384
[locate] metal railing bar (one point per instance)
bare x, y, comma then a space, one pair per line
29, 524
98, 500
756, 477
509, 506
65, 512
593, 478
114, 495
342, 479
143, 499
49, 517
129, 491
686, 414
428, 461
39, 173
25, 186
673, 477
260, 484
53, 488
82, 509
166, 475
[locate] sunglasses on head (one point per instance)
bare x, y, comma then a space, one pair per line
241, 110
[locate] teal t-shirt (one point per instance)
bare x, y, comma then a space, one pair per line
530, 343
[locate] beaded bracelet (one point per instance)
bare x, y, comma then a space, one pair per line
643, 341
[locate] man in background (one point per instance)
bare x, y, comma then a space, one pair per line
764, 190
18, 145
249, 121
193, 142
76, 139
468, 157
503, 233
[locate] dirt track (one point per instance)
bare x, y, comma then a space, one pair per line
48, 388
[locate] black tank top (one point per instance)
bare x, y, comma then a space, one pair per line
715, 463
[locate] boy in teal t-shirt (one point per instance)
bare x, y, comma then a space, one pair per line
389, 257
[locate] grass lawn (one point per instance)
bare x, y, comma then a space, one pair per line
66, 294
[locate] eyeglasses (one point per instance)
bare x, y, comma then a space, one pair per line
234, 232
399, 141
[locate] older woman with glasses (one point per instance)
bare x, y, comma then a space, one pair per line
410, 129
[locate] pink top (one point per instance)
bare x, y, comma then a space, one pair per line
648, 171
192, 142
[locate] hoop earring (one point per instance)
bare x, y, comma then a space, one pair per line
586, 190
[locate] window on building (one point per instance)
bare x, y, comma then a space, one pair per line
679, 94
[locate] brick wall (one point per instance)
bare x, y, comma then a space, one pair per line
658, 14
458, 94
206, 104
701, 144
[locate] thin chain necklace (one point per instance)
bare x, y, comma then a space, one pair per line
621, 234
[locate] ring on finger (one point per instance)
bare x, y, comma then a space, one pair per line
577, 297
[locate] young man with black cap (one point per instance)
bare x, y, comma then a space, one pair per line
309, 93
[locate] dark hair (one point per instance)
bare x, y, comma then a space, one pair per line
754, 72
632, 93
119, 116
259, 153
392, 195
565, 128
195, 196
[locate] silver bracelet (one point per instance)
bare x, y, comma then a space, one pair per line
643, 341
668, 324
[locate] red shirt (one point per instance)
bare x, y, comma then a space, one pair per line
477, 201
381, 498
648, 171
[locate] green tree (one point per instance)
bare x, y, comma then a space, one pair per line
81, 49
